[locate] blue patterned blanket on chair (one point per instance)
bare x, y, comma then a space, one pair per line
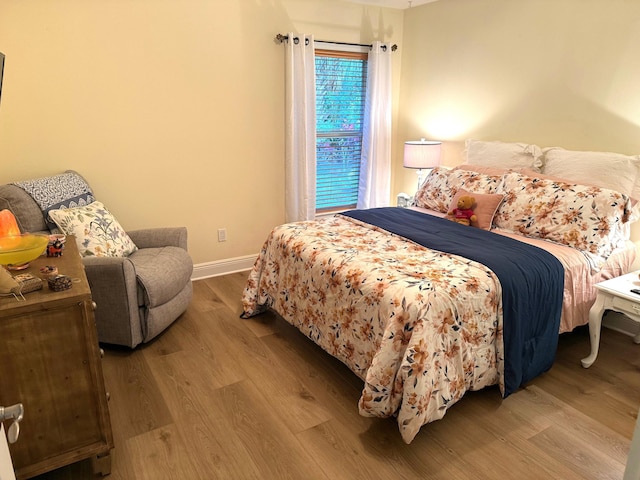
66, 190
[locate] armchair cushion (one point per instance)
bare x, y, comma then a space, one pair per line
154, 267
97, 231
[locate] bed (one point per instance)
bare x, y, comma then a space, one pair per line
423, 309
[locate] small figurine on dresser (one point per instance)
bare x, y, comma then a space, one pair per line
49, 271
54, 249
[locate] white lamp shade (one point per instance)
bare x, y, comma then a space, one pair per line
422, 154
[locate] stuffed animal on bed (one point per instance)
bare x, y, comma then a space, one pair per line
463, 213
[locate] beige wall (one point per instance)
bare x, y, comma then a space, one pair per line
550, 72
173, 110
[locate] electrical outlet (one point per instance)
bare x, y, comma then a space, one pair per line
222, 234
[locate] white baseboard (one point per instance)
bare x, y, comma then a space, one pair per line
223, 267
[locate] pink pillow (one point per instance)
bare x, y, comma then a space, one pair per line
486, 207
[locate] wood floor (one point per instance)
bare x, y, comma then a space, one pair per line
218, 397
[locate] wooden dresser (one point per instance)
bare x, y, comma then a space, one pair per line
50, 362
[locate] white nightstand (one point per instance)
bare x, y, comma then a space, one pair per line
614, 294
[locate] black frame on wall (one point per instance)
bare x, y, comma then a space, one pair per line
1, 72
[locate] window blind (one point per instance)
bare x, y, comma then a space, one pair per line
340, 98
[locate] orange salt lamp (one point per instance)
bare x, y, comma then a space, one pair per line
8, 224
9, 228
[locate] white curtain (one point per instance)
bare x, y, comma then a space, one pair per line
375, 168
300, 126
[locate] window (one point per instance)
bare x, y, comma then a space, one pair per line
340, 97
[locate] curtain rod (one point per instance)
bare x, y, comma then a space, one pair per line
281, 38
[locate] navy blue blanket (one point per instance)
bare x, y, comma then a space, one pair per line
532, 283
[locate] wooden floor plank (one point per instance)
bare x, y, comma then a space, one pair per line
589, 395
531, 412
330, 444
577, 454
203, 345
268, 441
134, 393
228, 289
161, 454
203, 426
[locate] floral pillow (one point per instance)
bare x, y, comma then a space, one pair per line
442, 184
589, 218
97, 231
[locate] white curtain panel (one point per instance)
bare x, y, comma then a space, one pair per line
300, 126
375, 169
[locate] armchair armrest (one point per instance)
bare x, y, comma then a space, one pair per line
114, 290
160, 237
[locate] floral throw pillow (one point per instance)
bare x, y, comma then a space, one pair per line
97, 231
588, 218
442, 184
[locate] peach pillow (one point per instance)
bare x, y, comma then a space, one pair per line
486, 207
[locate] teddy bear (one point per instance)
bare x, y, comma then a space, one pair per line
463, 213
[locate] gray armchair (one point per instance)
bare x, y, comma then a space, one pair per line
137, 296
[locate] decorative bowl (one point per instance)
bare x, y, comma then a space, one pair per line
16, 251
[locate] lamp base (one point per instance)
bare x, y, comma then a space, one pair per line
419, 172
420, 176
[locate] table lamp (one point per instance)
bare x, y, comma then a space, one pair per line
421, 155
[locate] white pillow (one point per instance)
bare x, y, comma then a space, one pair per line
613, 171
503, 155
97, 232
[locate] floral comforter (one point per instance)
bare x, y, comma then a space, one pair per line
420, 327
